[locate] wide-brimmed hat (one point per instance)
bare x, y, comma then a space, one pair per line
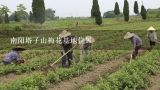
19, 48
64, 34
128, 35
151, 28
90, 39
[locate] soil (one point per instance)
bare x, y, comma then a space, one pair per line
92, 76
155, 82
77, 82
12, 76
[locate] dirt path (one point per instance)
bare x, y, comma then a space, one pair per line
93, 76
155, 80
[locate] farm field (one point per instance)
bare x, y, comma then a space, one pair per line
107, 65
83, 24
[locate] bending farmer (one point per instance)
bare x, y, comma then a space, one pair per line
14, 56
136, 41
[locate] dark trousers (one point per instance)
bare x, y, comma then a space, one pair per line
135, 53
6, 63
67, 58
152, 44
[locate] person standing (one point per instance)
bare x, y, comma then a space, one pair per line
14, 56
86, 45
66, 45
136, 41
152, 37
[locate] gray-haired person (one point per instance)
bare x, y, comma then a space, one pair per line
152, 37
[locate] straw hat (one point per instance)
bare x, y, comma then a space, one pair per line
18, 48
90, 39
64, 34
128, 35
151, 28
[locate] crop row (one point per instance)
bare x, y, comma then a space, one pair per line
132, 76
35, 63
40, 81
28, 54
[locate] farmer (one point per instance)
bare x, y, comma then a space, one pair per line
152, 37
136, 41
86, 44
14, 56
66, 44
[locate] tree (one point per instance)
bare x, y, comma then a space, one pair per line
21, 7
4, 13
30, 16
50, 14
1, 20
95, 12
136, 9
116, 9
109, 14
22, 14
4, 9
16, 18
38, 9
143, 12
6, 19
98, 20
126, 10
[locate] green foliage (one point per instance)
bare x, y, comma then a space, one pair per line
136, 10
4, 9
1, 19
132, 76
6, 18
50, 14
38, 81
17, 28
16, 18
38, 9
22, 14
143, 12
21, 8
95, 12
116, 9
34, 82
153, 13
35, 62
30, 16
109, 14
4, 14
126, 11
98, 20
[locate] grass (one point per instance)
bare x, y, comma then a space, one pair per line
108, 24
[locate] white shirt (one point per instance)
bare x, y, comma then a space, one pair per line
152, 36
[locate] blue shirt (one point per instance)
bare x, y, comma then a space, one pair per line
12, 56
136, 41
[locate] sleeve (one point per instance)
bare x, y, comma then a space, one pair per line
17, 57
134, 43
155, 36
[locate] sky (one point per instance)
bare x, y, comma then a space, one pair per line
79, 8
